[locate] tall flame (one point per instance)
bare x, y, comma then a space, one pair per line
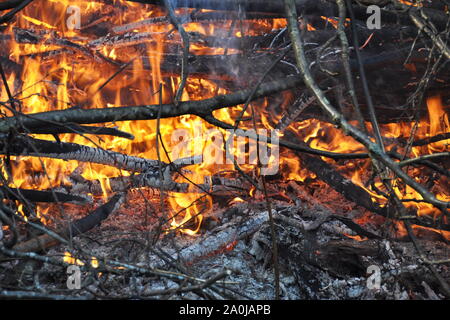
64, 80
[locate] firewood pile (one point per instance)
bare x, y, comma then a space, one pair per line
233, 149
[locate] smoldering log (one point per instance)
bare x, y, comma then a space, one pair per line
324, 214
230, 234
74, 229
308, 255
215, 243
40, 196
340, 257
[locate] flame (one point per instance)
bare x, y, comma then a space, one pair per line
68, 258
412, 4
335, 22
38, 22
356, 237
439, 123
21, 212
71, 79
236, 200
94, 262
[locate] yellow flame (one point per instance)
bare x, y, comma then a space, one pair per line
67, 80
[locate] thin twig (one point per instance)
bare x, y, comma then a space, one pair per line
184, 36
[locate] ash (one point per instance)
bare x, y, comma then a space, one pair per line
232, 258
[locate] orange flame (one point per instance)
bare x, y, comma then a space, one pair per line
72, 79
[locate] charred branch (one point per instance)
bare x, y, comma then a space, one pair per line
146, 112
126, 183
317, 7
211, 16
40, 196
68, 128
348, 189
75, 228
10, 4
23, 145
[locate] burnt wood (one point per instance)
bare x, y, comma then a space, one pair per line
75, 228
39, 196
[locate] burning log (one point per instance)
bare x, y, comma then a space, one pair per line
126, 183
70, 151
22, 145
51, 38
49, 54
89, 116
211, 16
42, 37
294, 111
123, 40
216, 185
436, 138
10, 66
242, 43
